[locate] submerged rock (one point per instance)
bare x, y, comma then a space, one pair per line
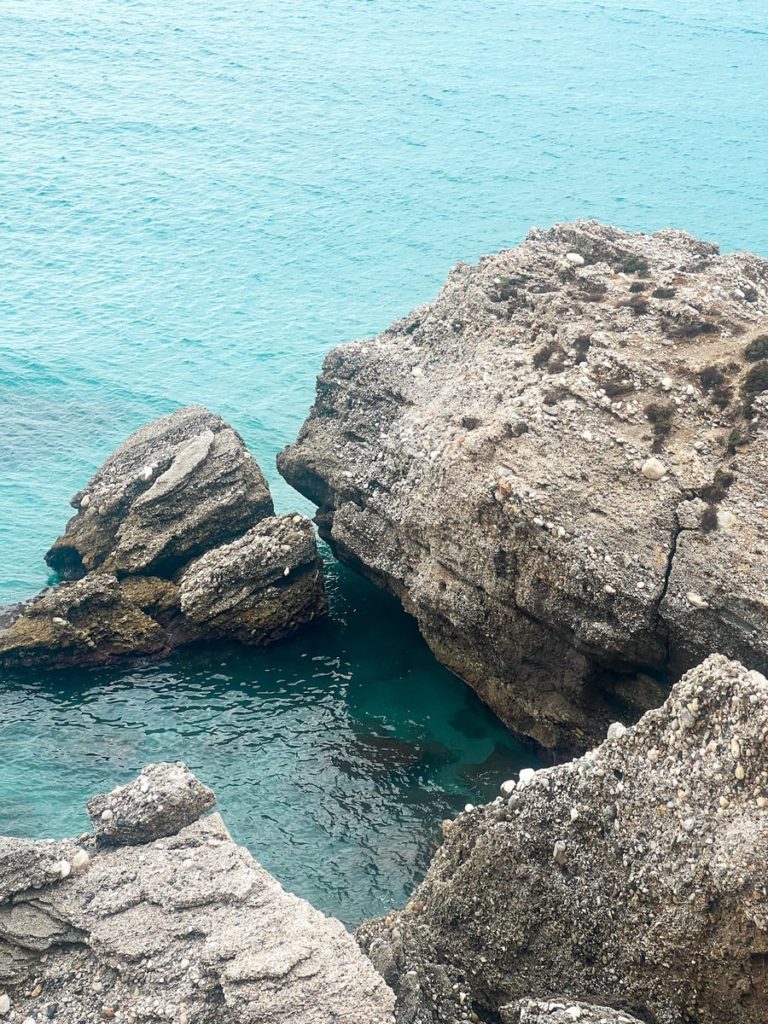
188, 928
659, 905
177, 540
542, 463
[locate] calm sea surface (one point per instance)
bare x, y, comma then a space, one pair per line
196, 201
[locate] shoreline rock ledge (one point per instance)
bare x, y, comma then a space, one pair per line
175, 540
160, 916
560, 468
633, 877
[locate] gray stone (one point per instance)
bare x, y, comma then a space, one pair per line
482, 459
186, 928
661, 908
562, 1011
259, 588
175, 488
160, 802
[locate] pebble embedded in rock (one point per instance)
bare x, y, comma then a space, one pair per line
616, 730
653, 469
697, 600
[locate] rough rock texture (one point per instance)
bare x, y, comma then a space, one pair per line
560, 468
88, 621
260, 586
163, 799
176, 536
562, 1011
188, 929
177, 487
633, 877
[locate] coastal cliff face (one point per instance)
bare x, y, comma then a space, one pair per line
560, 469
174, 541
160, 916
633, 877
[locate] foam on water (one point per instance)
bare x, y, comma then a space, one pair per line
199, 199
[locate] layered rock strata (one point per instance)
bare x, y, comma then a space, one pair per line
560, 468
633, 878
175, 541
162, 917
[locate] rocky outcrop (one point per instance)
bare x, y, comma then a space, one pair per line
174, 542
186, 928
260, 586
633, 877
178, 487
560, 468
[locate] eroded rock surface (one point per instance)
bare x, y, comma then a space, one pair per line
560, 468
633, 877
257, 587
160, 802
174, 542
188, 928
177, 487
562, 1011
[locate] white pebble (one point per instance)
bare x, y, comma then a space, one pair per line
80, 861
575, 258
725, 519
616, 730
527, 775
61, 868
697, 600
469, 807
558, 853
653, 469
107, 815
146, 473
508, 787
85, 501
5, 1003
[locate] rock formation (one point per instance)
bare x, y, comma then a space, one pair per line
186, 928
174, 541
560, 468
633, 877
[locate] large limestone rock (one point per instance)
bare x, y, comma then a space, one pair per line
188, 928
633, 877
560, 468
266, 583
177, 540
177, 487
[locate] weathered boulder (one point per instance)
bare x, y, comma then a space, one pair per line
560, 468
174, 543
562, 1011
177, 487
633, 877
89, 621
188, 928
160, 802
265, 583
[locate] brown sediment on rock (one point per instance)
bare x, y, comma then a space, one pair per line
521, 463
175, 541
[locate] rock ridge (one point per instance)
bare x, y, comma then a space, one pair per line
631, 878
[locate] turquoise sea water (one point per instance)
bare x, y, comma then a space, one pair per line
196, 201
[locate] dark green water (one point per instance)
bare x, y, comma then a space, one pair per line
334, 757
